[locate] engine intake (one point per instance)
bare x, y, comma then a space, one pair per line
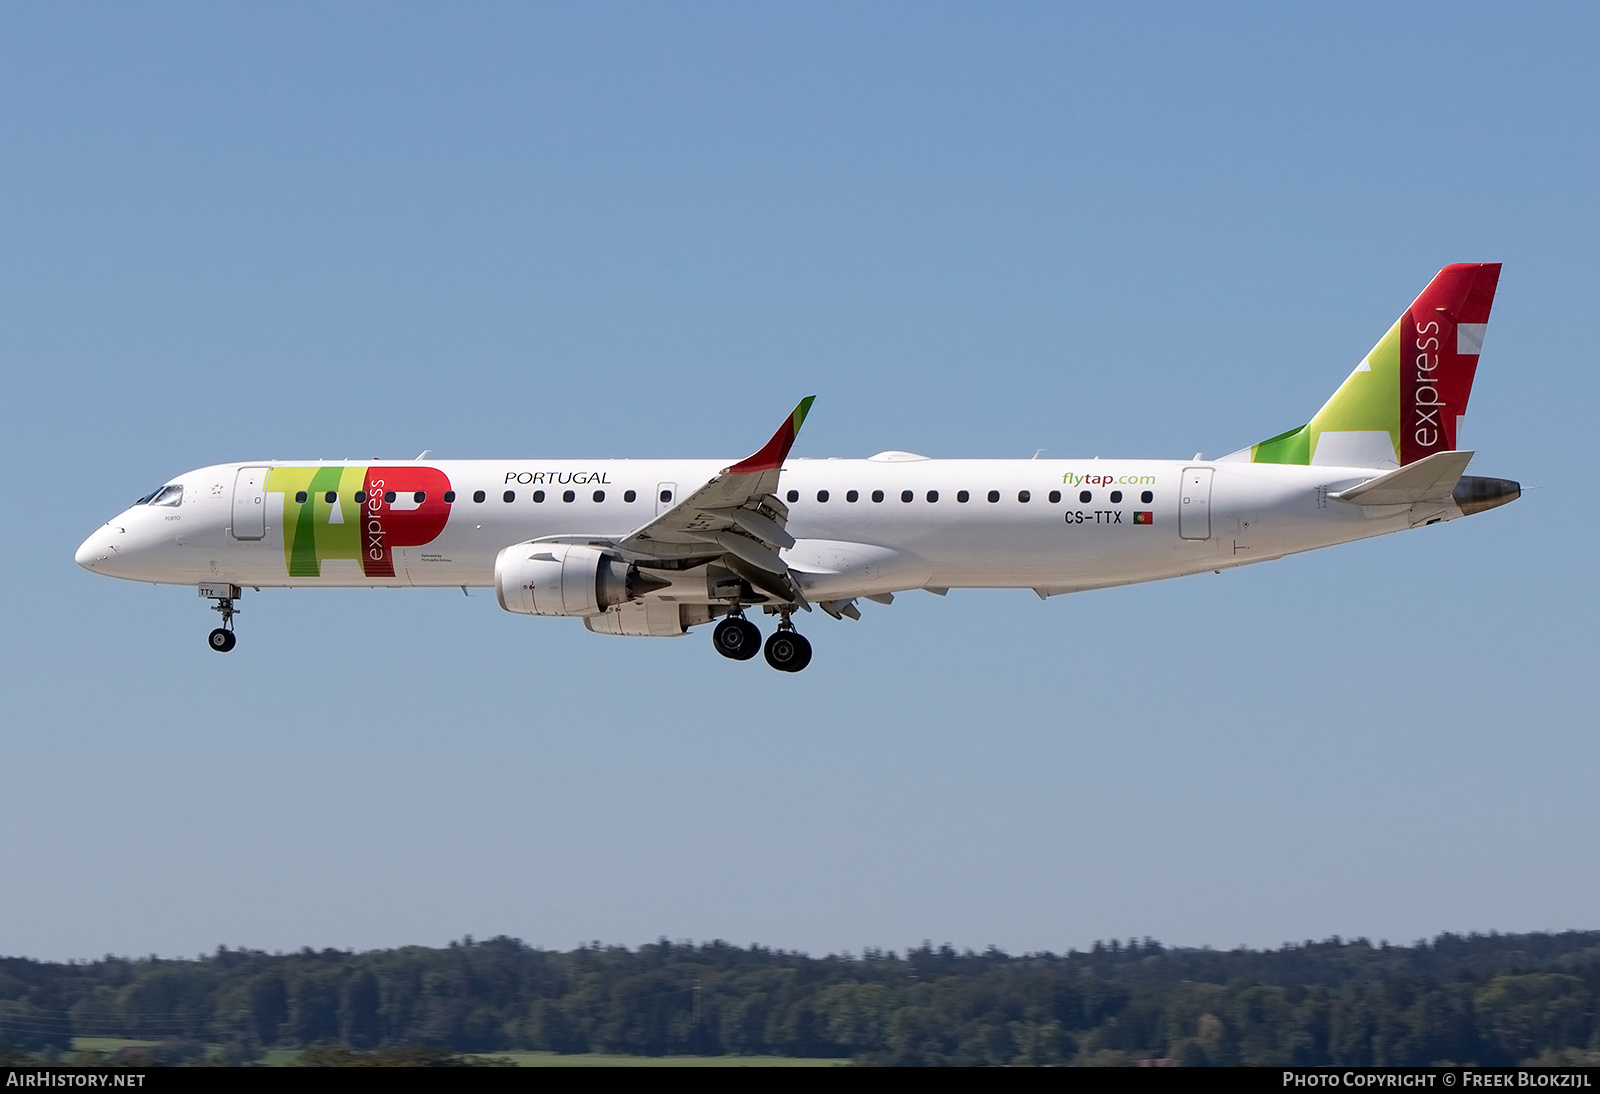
565, 579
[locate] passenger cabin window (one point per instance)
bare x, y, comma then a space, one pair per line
167, 495
331, 496
478, 495
906, 495
568, 495
666, 495
1024, 496
630, 496
1147, 497
361, 497
793, 496
1055, 496
877, 495
449, 496
420, 496
538, 497
1085, 496
299, 497
599, 495
822, 495
962, 496
852, 495
933, 495
1116, 496
994, 495
389, 496
511, 495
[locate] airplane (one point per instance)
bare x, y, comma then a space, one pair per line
657, 547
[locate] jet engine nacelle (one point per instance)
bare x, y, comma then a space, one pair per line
565, 579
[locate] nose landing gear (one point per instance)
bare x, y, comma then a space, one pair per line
222, 639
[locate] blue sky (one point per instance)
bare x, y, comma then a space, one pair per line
309, 231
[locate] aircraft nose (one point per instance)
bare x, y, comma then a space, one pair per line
94, 550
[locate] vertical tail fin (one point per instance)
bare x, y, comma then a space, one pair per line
1406, 399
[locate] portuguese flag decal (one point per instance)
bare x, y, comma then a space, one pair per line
1144, 518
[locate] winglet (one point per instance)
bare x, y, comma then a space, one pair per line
771, 457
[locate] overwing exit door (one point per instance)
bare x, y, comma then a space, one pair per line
666, 496
250, 503
1194, 503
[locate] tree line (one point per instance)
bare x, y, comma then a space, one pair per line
1495, 999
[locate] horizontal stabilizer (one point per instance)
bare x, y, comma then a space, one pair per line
1431, 479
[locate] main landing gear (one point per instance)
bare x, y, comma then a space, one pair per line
222, 639
738, 638
787, 650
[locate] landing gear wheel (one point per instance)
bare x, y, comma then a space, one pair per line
736, 637
788, 651
222, 639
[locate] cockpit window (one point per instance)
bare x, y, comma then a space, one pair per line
148, 498
167, 495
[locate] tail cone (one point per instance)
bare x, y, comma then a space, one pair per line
1474, 493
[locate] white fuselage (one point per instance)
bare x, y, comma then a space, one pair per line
1084, 524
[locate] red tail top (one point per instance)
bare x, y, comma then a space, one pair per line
1441, 336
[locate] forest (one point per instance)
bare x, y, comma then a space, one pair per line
1495, 999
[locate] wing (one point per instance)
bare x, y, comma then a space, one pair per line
737, 516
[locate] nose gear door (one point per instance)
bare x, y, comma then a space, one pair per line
250, 503
1194, 503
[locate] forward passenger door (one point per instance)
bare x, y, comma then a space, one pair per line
250, 503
